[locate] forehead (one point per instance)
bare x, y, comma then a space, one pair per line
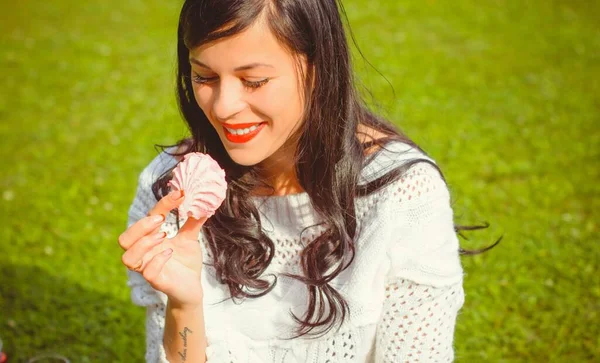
255, 44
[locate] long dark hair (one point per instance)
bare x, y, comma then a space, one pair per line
329, 154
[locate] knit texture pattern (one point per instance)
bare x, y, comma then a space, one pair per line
404, 287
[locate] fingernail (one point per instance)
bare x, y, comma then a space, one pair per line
177, 194
167, 252
161, 235
158, 218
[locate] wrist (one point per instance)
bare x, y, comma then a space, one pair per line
175, 305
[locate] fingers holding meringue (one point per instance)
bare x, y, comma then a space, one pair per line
191, 229
168, 203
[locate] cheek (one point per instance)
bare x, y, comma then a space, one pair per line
282, 104
203, 96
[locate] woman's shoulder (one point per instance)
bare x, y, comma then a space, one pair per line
390, 156
419, 180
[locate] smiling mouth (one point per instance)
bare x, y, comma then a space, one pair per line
242, 133
241, 129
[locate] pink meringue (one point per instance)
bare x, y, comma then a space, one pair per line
203, 182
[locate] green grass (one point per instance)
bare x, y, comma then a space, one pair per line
505, 95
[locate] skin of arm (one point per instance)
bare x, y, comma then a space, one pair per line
184, 335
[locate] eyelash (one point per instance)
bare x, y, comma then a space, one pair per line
250, 84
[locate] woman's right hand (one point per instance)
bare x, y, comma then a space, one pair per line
173, 265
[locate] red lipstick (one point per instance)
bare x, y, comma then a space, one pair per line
242, 138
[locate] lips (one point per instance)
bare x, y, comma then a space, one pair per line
241, 126
241, 133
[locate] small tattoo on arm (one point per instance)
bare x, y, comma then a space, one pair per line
183, 335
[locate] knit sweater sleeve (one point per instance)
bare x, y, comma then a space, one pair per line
142, 294
423, 292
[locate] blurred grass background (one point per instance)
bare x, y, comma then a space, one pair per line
504, 94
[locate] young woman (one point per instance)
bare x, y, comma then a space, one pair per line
336, 240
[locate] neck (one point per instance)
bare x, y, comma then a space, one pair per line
279, 172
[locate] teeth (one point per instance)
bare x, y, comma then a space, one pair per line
242, 131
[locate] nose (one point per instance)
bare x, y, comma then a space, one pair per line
228, 100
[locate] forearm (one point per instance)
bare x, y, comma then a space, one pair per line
184, 336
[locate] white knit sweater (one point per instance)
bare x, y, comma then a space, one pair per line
404, 287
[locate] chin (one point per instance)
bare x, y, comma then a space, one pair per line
244, 158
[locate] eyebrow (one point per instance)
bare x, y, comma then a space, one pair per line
237, 69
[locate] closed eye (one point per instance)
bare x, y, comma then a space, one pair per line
203, 80
255, 84
250, 84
